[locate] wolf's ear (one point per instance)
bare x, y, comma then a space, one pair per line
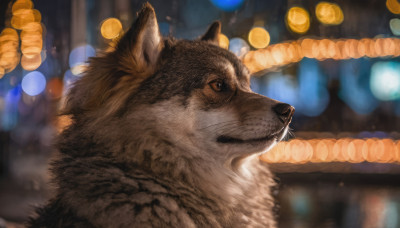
212, 33
142, 44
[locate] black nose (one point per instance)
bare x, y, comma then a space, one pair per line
284, 111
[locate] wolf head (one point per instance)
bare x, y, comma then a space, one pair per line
191, 95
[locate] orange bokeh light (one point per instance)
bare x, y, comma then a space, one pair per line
32, 62
286, 53
298, 151
54, 88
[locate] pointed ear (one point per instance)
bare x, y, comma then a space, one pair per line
142, 44
212, 33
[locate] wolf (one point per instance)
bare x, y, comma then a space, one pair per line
165, 133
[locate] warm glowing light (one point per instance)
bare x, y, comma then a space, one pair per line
393, 6
32, 62
9, 34
329, 13
33, 83
78, 69
223, 41
22, 17
111, 28
285, 53
22, 4
33, 27
259, 37
54, 88
298, 20
9, 55
300, 151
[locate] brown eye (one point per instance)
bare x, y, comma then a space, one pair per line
217, 85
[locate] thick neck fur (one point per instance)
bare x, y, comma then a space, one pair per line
227, 185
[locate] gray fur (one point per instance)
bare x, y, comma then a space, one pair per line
154, 144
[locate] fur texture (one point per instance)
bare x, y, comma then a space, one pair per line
165, 133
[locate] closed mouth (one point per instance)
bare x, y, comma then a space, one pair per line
232, 140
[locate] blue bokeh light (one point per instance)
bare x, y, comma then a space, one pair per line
80, 55
354, 89
277, 86
239, 47
10, 113
308, 94
33, 83
313, 92
228, 5
69, 79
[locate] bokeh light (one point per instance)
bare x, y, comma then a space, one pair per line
22, 17
259, 37
9, 55
300, 151
395, 26
329, 13
68, 80
33, 83
79, 56
111, 28
223, 41
22, 4
385, 80
393, 6
298, 20
227, 5
239, 47
30, 63
313, 93
54, 88
285, 53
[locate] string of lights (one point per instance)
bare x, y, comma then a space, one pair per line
298, 151
281, 54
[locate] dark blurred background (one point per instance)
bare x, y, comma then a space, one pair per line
336, 62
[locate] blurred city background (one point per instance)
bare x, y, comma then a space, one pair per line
337, 62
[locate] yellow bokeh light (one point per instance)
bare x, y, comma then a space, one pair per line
22, 17
298, 20
31, 63
9, 60
9, 34
259, 37
8, 46
111, 28
22, 4
78, 69
223, 41
329, 13
33, 27
9, 55
31, 43
393, 6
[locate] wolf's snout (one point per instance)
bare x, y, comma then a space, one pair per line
284, 112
